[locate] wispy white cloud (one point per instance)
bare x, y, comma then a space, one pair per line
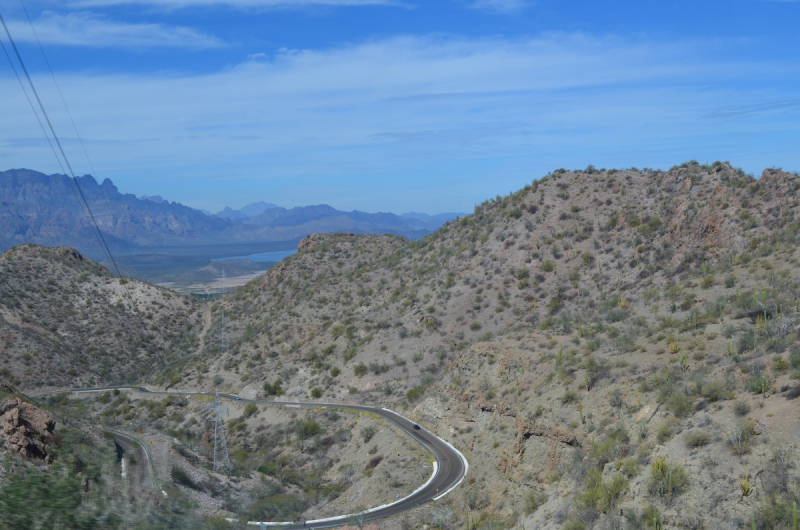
499, 6
87, 29
368, 125
241, 4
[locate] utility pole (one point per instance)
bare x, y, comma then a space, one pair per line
221, 459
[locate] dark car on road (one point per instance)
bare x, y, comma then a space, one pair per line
416, 427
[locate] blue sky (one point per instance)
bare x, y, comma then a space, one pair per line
384, 105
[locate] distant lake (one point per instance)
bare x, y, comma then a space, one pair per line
276, 256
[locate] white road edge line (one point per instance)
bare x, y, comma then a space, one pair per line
433, 475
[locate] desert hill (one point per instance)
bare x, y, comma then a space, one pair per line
610, 349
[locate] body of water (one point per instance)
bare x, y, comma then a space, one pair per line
276, 256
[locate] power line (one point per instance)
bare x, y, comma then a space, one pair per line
104, 246
58, 142
74, 127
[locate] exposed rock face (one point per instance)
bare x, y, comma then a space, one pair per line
27, 429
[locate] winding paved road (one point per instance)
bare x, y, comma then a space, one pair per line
449, 470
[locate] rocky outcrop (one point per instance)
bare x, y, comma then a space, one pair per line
27, 429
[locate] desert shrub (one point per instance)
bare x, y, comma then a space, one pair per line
740, 408
666, 429
554, 305
775, 511
368, 432
281, 507
650, 227
569, 397
548, 266
475, 326
415, 393
308, 428
360, 370
680, 404
630, 467
250, 410
673, 481
794, 358
730, 281
274, 389
316, 393
32, 499
707, 282
717, 391
697, 439
599, 494
183, 478
373, 463
606, 450
335, 371
533, 501
746, 342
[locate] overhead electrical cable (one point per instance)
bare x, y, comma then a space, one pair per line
104, 245
58, 143
74, 127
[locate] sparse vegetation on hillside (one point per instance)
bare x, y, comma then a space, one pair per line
607, 347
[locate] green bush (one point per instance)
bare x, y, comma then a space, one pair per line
533, 501
308, 428
674, 482
360, 370
650, 227
697, 438
794, 358
250, 410
554, 305
415, 393
281, 507
32, 499
740, 408
730, 281
599, 494
569, 397
368, 432
316, 393
274, 389
707, 282
179, 476
548, 266
475, 326
680, 404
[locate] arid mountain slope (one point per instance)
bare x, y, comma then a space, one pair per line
66, 321
557, 250
610, 349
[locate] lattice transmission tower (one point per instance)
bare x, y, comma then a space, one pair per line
221, 459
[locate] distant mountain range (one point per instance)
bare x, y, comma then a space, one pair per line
39, 208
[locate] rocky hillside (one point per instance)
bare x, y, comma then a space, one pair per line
610, 349
66, 321
587, 319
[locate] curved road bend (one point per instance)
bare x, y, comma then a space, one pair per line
138, 474
450, 470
